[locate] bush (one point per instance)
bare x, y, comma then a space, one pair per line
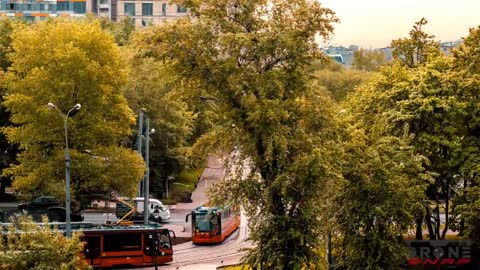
39, 247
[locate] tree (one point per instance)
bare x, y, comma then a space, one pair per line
418, 97
121, 30
150, 87
39, 247
417, 47
339, 81
368, 60
383, 187
8, 152
69, 62
251, 60
463, 77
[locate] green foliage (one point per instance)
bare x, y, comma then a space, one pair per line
463, 77
189, 177
430, 98
250, 62
121, 31
39, 247
340, 81
69, 62
383, 187
151, 88
368, 60
417, 47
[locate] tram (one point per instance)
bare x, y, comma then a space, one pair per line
211, 225
113, 246
127, 246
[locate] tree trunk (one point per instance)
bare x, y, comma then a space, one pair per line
447, 200
428, 221
437, 221
418, 233
462, 221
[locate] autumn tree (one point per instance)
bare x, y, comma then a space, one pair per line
121, 30
250, 60
463, 78
337, 80
65, 63
39, 247
368, 60
416, 48
8, 151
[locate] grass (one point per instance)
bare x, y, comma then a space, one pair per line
185, 183
186, 180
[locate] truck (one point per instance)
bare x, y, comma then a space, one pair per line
133, 210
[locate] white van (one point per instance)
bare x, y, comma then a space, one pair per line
158, 212
156, 208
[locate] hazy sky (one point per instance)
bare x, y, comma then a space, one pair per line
374, 23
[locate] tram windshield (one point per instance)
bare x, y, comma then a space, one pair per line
202, 222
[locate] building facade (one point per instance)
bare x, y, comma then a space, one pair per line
142, 12
149, 12
40, 9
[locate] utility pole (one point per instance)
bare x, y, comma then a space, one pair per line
146, 179
139, 145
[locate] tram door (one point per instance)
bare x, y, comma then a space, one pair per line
149, 247
92, 249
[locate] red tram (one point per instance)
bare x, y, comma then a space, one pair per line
211, 225
108, 246
127, 246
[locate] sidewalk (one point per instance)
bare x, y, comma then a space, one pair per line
212, 173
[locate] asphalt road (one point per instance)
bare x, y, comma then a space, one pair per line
177, 217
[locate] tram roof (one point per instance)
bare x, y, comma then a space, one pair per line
90, 227
206, 209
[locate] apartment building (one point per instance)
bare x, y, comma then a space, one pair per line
149, 12
142, 12
40, 9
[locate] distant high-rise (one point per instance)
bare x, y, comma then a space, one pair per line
448, 46
149, 12
143, 12
40, 9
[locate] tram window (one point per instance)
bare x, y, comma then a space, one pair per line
202, 222
122, 242
164, 240
215, 225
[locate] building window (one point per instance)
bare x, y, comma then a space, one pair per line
63, 6
181, 9
147, 9
79, 7
164, 9
129, 9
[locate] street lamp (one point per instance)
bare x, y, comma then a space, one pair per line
67, 165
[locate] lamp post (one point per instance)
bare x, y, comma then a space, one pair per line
77, 107
146, 180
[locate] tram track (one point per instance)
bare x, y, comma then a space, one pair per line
230, 251
232, 247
